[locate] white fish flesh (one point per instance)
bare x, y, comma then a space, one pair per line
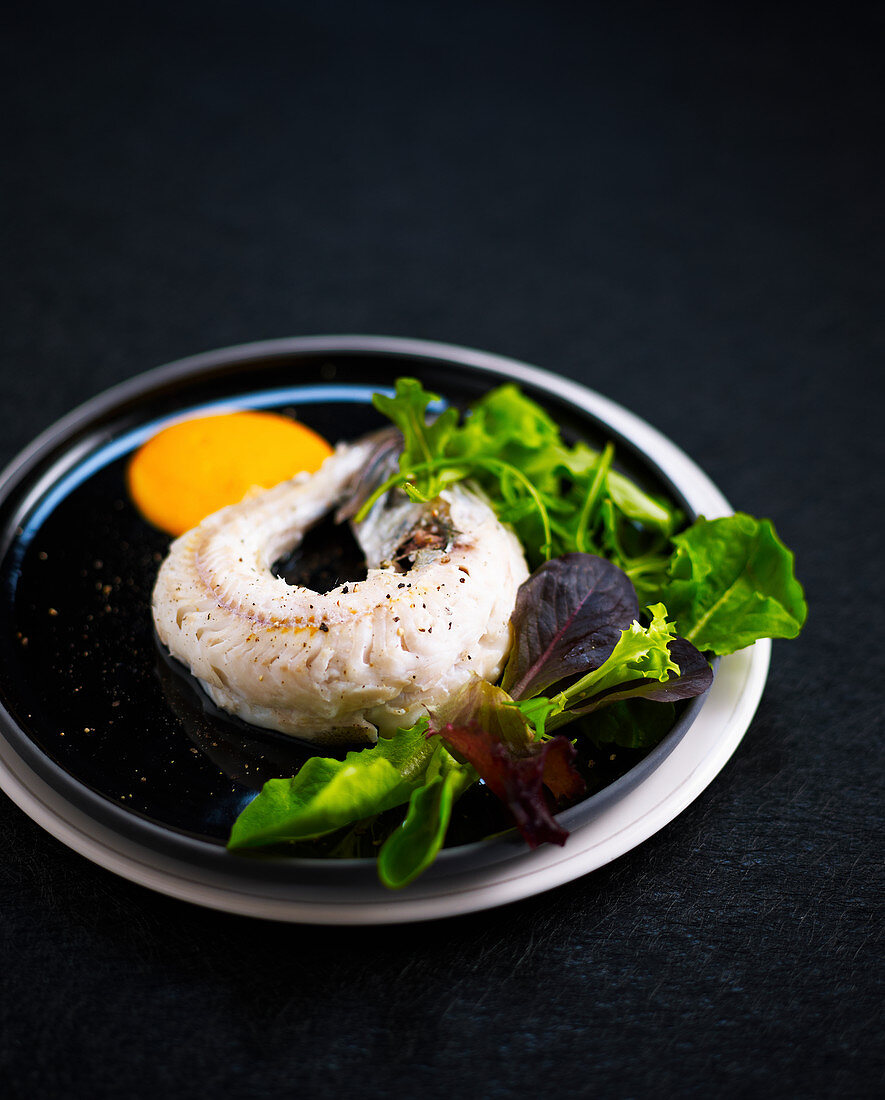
368, 656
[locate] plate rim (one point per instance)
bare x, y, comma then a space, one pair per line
483, 887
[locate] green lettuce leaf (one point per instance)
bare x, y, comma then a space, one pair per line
327, 794
634, 724
731, 581
412, 847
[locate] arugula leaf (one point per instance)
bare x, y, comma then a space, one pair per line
568, 616
423, 441
558, 499
582, 463
412, 847
536, 711
639, 506
731, 581
327, 794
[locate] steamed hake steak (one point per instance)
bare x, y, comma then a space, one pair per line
369, 655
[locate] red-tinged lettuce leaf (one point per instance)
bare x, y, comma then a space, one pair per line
518, 778
559, 775
568, 616
489, 707
484, 705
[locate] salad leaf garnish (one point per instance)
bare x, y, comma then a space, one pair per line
502, 740
559, 499
640, 652
632, 502
423, 440
568, 616
412, 847
494, 736
579, 634
677, 686
632, 724
517, 778
486, 705
646, 662
731, 582
536, 711
327, 794
727, 581
695, 675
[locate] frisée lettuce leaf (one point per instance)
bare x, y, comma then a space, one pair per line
642, 665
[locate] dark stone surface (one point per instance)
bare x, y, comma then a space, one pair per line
679, 206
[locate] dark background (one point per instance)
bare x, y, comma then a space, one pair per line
680, 206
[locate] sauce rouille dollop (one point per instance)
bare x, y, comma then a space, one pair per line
194, 467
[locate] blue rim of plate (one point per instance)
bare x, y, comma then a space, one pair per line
349, 881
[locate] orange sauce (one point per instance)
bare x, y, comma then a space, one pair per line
191, 469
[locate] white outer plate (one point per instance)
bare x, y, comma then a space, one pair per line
617, 827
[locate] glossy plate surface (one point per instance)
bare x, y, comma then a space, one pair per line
114, 753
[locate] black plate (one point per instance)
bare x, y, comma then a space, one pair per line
88, 702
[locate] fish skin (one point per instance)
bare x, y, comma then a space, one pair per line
367, 656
